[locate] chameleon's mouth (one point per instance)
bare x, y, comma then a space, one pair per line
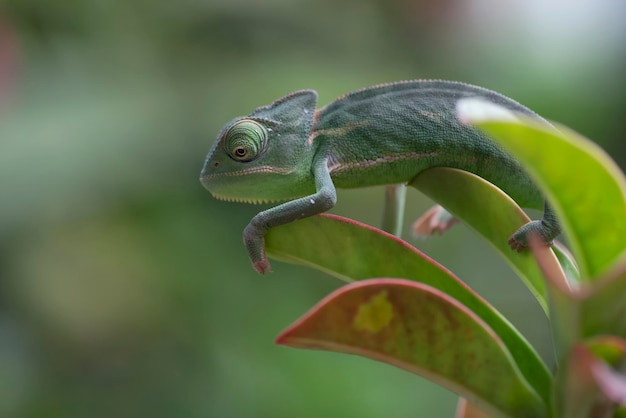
207, 176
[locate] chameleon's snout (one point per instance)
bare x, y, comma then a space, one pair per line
211, 166
232, 186
205, 182
205, 174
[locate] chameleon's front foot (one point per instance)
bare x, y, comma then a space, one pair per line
255, 244
519, 240
262, 266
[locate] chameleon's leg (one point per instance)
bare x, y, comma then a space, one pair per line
435, 220
393, 211
547, 229
324, 199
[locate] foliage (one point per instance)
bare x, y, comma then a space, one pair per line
404, 309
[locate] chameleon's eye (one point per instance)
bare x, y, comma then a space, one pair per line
245, 140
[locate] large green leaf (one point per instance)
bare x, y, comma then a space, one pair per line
422, 330
490, 212
353, 251
581, 182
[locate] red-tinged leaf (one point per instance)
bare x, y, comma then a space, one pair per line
612, 384
609, 348
564, 301
425, 331
351, 251
587, 386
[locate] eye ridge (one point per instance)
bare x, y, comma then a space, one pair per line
245, 140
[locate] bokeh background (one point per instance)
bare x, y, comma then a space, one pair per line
125, 290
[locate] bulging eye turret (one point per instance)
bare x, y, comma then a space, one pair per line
245, 140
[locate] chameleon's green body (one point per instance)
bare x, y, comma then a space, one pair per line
413, 126
381, 135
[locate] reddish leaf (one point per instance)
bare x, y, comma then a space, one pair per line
350, 251
423, 330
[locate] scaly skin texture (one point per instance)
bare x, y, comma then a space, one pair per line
385, 134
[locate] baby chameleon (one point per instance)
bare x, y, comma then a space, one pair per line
381, 135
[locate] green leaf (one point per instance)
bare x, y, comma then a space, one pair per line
353, 251
487, 210
582, 183
423, 330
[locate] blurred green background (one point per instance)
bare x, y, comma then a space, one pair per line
125, 290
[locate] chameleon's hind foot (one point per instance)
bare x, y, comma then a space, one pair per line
516, 245
436, 220
519, 240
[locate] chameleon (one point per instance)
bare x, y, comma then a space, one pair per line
386, 134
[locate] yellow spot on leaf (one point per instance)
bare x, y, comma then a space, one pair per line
374, 314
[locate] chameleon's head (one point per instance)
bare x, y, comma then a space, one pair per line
264, 156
